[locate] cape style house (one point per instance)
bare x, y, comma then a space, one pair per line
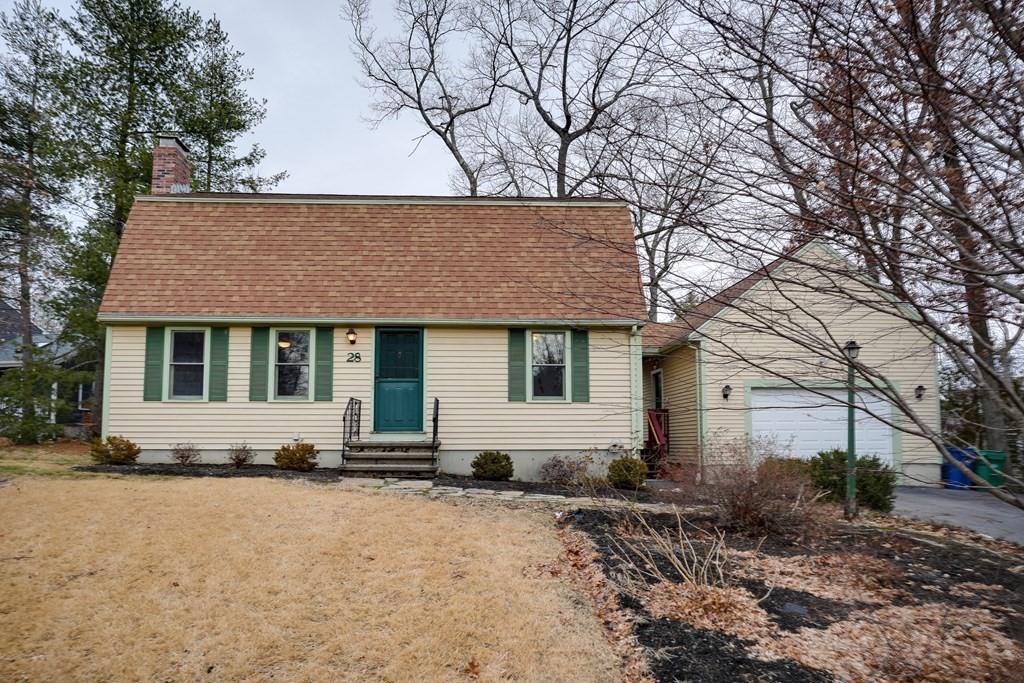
400, 334
405, 335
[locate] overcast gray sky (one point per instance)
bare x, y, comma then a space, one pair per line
314, 128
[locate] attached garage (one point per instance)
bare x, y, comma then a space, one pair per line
817, 420
747, 363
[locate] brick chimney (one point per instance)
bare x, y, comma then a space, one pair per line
172, 173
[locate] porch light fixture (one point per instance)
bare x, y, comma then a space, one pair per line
351, 336
919, 392
851, 350
726, 391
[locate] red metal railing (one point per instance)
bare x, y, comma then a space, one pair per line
656, 449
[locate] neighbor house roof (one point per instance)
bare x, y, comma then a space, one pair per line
10, 335
10, 323
342, 258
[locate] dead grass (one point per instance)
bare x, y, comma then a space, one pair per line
126, 579
45, 460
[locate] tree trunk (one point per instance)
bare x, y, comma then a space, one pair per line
976, 297
28, 406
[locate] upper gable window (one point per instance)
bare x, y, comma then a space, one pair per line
291, 366
187, 366
548, 361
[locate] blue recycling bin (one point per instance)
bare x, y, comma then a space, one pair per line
953, 478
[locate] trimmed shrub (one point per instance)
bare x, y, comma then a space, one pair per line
627, 473
566, 470
186, 454
300, 457
492, 466
774, 497
241, 454
116, 450
876, 483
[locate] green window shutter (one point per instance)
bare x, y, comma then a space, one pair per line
517, 365
218, 364
580, 366
153, 378
323, 379
259, 358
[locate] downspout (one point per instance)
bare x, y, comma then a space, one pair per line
636, 391
108, 347
702, 406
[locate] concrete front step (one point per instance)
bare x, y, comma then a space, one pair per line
389, 459
391, 447
389, 469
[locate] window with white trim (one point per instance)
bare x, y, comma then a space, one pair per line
187, 365
548, 363
292, 353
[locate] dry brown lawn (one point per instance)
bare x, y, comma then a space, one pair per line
182, 580
47, 460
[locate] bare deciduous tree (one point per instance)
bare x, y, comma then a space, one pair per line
894, 132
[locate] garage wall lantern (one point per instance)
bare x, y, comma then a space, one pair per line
351, 336
919, 392
726, 391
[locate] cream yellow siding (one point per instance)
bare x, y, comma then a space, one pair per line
679, 396
776, 333
466, 368
265, 425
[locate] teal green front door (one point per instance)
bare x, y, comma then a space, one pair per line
398, 382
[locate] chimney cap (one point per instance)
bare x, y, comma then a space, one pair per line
170, 140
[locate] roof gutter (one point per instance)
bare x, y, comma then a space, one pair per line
435, 201
138, 319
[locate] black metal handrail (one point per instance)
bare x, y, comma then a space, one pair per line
350, 424
433, 440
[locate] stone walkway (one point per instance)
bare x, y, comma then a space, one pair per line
426, 488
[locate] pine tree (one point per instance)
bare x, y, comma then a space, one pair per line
34, 176
142, 67
215, 110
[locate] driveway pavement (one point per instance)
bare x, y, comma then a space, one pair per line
971, 509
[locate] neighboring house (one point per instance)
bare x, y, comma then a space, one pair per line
10, 337
347, 321
760, 365
75, 397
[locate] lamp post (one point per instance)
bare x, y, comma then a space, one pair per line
851, 351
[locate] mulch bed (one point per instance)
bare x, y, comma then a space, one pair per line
211, 470
641, 496
325, 474
930, 570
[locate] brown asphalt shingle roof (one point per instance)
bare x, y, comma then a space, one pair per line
657, 335
320, 256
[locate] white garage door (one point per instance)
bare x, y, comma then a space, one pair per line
815, 423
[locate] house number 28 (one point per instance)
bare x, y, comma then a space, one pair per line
354, 358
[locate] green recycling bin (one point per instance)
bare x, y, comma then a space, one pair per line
992, 474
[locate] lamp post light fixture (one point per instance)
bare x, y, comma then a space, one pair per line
351, 336
851, 351
726, 391
919, 392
